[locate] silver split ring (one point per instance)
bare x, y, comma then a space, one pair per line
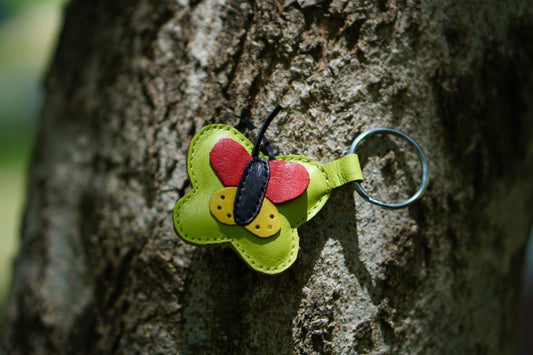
419, 152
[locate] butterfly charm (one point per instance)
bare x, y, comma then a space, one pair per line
241, 199
253, 188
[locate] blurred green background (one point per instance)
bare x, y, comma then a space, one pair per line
28, 33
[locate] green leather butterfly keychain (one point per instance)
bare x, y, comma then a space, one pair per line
255, 203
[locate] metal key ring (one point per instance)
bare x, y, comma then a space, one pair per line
419, 152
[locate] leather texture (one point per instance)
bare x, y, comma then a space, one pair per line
344, 170
251, 191
266, 224
287, 180
229, 159
221, 205
194, 222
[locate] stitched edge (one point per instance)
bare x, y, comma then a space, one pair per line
320, 202
241, 189
286, 263
194, 182
215, 240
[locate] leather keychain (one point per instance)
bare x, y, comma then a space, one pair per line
255, 203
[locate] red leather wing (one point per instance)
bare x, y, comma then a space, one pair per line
288, 181
229, 159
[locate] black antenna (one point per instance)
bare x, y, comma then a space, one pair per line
255, 152
266, 142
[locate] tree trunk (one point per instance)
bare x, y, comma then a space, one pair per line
100, 267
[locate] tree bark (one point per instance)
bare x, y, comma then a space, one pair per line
100, 267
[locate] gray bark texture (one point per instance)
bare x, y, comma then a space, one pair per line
100, 268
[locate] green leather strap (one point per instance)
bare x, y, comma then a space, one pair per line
344, 170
